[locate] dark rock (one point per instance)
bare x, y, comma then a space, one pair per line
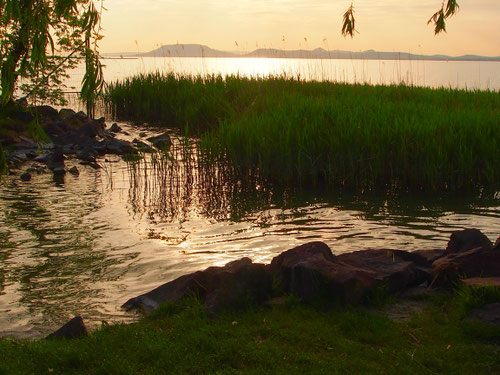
482, 281
430, 255
94, 164
397, 269
21, 114
476, 262
467, 239
55, 162
74, 170
115, 128
47, 112
59, 170
489, 313
100, 122
89, 130
141, 146
56, 128
87, 155
75, 328
26, 176
311, 271
105, 134
72, 119
118, 146
217, 287
18, 156
43, 158
161, 141
66, 113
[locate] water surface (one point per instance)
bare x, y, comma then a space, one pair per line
85, 244
472, 75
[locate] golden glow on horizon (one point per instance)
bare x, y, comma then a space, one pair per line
244, 25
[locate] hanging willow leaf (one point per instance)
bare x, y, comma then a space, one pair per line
452, 8
438, 20
348, 26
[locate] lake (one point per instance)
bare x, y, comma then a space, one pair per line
455, 74
85, 244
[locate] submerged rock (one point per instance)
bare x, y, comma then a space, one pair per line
141, 146
75, 328
74, 170
161, 141
115, 128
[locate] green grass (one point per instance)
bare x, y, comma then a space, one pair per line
291, 338
359, 137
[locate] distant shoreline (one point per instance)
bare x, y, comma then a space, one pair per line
202, 51
495, 60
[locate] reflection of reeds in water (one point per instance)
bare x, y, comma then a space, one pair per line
173, 186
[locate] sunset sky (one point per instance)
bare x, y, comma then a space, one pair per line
384, 25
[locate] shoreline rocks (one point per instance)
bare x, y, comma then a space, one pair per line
68, 133
73, 329
312, 271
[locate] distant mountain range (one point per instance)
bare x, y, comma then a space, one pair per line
199, 50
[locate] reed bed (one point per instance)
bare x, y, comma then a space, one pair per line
361, 137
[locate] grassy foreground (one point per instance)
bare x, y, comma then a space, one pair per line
361, 137
291, 338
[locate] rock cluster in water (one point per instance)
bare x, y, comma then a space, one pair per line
69, 133
311, 271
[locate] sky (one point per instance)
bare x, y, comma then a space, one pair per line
245, 25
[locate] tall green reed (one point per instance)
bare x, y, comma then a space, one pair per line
288, 132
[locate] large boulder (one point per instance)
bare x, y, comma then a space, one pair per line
311, 271
467, 239
217, 287
476, 262
46, 113
397, 270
